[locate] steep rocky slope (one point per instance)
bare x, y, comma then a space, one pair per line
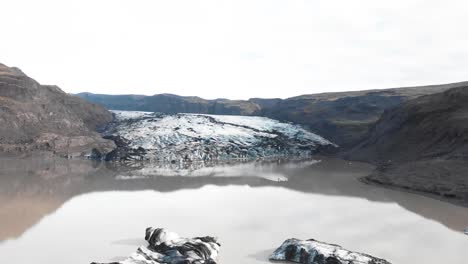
422, 145
344, 117
433, 126
38, 117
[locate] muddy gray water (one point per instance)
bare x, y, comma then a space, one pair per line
56, 211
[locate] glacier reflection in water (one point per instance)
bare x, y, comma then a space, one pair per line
61, 211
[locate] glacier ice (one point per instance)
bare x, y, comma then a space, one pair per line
195, 137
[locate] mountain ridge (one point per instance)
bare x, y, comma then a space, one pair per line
344, 116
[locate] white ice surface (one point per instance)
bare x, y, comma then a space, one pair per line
192, 134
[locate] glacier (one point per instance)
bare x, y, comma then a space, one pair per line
184, 137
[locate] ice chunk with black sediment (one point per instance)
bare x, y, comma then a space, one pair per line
315, 252
168, 247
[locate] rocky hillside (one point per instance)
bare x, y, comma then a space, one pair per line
422, 145
38, 117
344, 117
195, 137
433, 126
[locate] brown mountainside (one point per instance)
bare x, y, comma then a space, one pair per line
44, 118
422, 145
432, 126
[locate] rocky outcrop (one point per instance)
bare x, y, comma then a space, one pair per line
191, 137
168, 247
38, 117
315, 252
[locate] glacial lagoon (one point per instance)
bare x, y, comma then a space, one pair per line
58, 211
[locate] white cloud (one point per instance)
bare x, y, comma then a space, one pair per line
235, 49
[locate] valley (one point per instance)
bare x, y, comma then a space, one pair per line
234, 132
415, 136
313, 156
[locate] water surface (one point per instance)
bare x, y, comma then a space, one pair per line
56, 211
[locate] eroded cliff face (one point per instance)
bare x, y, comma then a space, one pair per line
37, 117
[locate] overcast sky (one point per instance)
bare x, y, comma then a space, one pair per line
235, 49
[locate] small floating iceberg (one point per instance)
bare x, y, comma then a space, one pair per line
169, 248
315, 252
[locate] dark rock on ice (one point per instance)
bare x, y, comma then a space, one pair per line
168, 247
315, 252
